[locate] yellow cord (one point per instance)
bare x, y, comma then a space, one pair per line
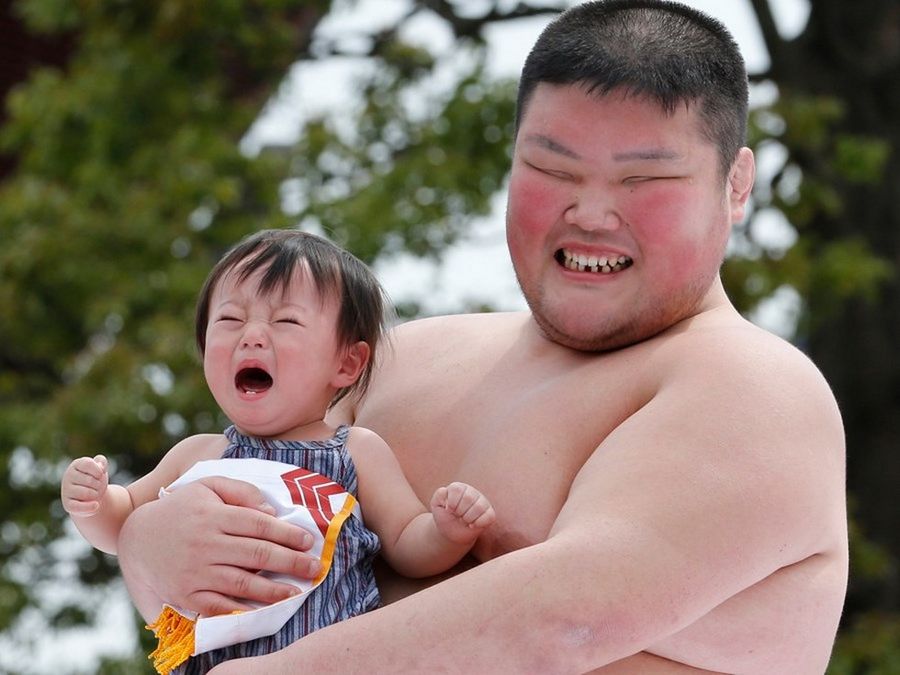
175, 633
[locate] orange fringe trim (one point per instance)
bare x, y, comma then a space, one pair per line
175, 633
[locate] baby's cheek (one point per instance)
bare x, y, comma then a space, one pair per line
215, 363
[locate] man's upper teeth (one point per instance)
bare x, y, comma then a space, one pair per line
592, 263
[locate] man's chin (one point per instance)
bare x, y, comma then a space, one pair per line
584, 338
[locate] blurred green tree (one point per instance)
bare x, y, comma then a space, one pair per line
127, 181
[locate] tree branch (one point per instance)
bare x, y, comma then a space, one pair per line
462, 27
775, 44
471, 27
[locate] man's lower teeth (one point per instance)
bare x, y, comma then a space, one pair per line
605, 269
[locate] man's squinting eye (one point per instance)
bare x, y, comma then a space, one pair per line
289, 320
630, 180
562, 175
227, 317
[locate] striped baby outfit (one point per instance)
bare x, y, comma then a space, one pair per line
349, 587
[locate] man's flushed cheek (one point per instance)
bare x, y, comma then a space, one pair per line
657, 204
533, 207
669, 234
662, 219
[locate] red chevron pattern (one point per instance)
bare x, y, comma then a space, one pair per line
311, 490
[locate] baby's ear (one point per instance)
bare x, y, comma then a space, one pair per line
351, 365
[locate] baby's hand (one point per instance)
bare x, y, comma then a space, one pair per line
83, 485
461, 512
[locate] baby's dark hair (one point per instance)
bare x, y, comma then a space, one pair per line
334, 271
661, 50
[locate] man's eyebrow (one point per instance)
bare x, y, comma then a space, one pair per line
641, 154
551, 145
651, 154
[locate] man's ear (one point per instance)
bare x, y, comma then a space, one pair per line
740, 183
352, 362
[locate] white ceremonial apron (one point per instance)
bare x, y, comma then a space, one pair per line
301, 497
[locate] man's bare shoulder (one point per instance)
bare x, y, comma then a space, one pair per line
737, 376
738, 453
423, 340
438, 326
731, 395
735, 353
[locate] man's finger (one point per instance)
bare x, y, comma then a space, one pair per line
245, 585
241, 522
238, 493
210, 603
257, 554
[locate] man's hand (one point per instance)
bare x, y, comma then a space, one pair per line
199, 549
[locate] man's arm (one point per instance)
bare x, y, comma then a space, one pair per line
713, 485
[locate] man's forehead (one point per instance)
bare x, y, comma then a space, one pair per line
618, 96
555, 120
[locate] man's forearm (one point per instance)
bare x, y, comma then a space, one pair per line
517, 613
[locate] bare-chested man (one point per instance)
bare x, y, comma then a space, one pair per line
668, 478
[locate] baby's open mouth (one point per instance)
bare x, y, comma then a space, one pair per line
252, 380
599, 264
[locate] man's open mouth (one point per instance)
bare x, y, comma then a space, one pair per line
252, 380
599, 264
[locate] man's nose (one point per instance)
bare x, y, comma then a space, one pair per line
591, 210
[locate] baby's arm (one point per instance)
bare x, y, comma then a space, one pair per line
416, 542
433, 542
97, 508
461, 513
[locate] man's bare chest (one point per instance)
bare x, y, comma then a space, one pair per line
519, 435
